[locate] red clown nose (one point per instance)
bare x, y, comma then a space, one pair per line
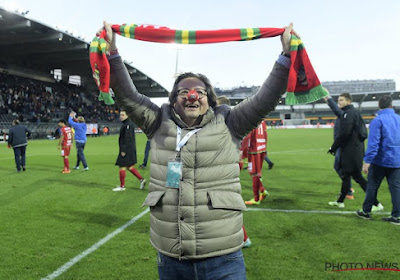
192, 96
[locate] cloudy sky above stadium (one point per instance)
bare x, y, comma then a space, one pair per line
346, 40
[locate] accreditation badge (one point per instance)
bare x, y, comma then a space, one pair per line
174, 174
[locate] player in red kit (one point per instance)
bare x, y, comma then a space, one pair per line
256, 153
65, 144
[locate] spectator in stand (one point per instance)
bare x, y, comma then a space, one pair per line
39, 101
127, 152
65, 143
17, 139
80, 139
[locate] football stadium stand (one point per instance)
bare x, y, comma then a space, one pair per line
45, 73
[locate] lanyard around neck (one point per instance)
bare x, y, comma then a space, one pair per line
180, 143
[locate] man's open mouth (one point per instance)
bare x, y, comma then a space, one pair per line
191, 106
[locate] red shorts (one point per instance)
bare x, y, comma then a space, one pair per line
65, 151
255, 163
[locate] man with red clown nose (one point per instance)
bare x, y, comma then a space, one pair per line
194, 191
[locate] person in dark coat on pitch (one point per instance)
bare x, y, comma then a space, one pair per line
127, 152
336, 165
351, 143
17, 140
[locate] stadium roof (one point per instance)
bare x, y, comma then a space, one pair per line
35, 50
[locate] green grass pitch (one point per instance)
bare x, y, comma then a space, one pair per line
48, 218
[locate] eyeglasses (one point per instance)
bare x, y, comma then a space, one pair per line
182, 93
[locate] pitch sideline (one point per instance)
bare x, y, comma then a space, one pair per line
96, 246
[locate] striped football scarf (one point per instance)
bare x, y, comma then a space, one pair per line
303, 84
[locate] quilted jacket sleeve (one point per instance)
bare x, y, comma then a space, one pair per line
248, 114
139, 107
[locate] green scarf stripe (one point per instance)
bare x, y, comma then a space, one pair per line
305, 97
297, 48
132, 31
243, 34
121, 29
192, 37
178, 36
246, 36
257, 33
106, 97
93, 50
96, 49
293, 37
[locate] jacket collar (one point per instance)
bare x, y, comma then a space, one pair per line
350, 106
386, 111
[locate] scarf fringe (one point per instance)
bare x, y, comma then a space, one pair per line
312, 95
106, 97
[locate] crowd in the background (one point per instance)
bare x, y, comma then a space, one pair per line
36, 101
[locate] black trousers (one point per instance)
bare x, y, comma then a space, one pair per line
346, 184
19, 154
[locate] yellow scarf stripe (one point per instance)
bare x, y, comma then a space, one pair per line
103, 46
94, 44
185, 36
295, 42
99, 45
126, 31
250, 33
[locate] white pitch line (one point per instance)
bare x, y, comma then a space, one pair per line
308, 211
296, 151
96, 246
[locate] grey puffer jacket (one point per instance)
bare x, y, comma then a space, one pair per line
203, 217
